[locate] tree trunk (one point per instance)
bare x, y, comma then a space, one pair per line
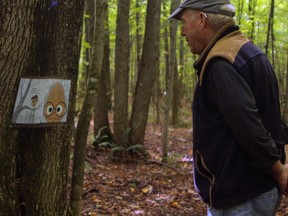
138, 33
157, 96
106, 62
45, 43
139, 39
14, 46
175, 96
240, 11
121, 86
270, 30
181, 73
102, 102
272, 33
251, 11
147, 73
169, 82
86, 112
90, 10
86, 49
285, 109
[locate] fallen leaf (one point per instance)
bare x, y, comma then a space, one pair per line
147, 189
175, 204
132, 189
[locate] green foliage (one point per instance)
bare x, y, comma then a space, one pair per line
184, 124
249, 22
88, 168
118, 149
172, 159
135, 148
104, 140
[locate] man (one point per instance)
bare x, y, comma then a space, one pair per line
236, 115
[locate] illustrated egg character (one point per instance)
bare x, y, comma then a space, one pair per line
55, 107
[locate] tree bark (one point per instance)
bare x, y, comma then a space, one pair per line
103, 101
120, 125
240, 11
169, 82
46, 39
270, 31
285, 108
175, 96
251, 12
86, 49
86, 112
14, 26
147, 73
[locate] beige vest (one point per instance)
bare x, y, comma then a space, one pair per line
227, 47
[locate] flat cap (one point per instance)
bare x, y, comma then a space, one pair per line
223, 7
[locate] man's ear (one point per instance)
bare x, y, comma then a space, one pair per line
204, 14
203, 19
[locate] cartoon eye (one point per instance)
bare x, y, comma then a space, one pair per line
60, 109
48, 109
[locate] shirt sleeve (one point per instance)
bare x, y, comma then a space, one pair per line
231, 95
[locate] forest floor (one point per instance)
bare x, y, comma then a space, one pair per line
146, 188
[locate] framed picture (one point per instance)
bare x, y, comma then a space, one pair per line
41, 102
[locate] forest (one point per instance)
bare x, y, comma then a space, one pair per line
118, 140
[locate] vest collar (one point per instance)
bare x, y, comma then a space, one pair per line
220, 34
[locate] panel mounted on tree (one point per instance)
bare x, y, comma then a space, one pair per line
41, 102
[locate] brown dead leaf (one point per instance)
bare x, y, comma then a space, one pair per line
175, 204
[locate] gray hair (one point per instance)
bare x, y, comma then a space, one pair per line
217, 21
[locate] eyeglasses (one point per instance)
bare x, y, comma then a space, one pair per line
60, 109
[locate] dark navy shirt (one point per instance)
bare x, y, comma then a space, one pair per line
236, 126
